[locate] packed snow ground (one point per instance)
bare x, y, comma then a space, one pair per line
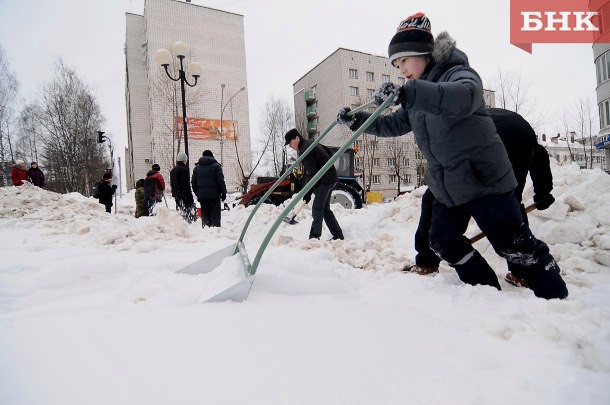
92, 311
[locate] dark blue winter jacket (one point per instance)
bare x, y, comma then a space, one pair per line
446, 112
208, 181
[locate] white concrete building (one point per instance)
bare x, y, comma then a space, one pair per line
154, 109
565, 151
601, 56
349, 78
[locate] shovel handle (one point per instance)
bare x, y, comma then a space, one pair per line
481, 235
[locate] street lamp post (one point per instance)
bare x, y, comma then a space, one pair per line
164, 58
222, 110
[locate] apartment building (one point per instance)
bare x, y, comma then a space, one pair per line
601, 56
154, 109
349, 78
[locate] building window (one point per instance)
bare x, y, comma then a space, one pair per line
405, 161
353, 74
607, 112
405, 147
370, 76
401, 80
392, 178
370, 92
406, 179
353, 91
376, 179
418, 155
385, 78
391, 161
376, 162
357, 144
374, 145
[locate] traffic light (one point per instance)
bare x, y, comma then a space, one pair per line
100, 136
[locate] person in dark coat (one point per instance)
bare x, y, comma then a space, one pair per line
312, 163
36, 175
526, 155
179, 178
154, 187
469, 172
106, 191
140, 198
18, 173
209, 186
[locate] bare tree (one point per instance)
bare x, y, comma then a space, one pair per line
279, 118
28, 138
9, 88
513, 93
69, 115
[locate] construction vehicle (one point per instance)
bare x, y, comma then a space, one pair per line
348, 191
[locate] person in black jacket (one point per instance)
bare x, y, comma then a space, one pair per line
469, 172
312, 163
181, 189
209, 186
106, 191
526, 155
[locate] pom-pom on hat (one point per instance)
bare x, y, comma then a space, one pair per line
413, 38
290, 135
182, 157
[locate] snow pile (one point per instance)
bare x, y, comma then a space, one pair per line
92, 310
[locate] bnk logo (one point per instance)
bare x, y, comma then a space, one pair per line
558, 21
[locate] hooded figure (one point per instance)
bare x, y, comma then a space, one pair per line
179, 178
18, 173
36, 175
154, 187
140, 197
208, 183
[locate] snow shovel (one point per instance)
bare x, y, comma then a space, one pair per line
291, 219
241, 290
481, 235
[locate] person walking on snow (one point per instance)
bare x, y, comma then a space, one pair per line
469, 172
106, 191
140, 198
312, 163
18, 173
179, 178
525, 155
36, 175
154, 187
209, 186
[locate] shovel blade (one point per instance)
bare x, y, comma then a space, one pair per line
237, 293
210, 262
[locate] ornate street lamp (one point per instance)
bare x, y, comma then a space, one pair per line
164, 58
222, 110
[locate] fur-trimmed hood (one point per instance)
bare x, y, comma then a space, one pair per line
444, 56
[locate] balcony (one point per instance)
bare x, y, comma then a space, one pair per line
310, 96
311, 111
312, 127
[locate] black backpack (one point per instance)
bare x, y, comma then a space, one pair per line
96, 190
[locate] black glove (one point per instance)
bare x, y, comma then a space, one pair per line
386, 90
543, 201
114, 186
223, 196
344, 119
307, 197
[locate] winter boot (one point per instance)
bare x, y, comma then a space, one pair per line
546, 282
421, 270
476, 271
517, 281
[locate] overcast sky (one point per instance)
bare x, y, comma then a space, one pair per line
284, 40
